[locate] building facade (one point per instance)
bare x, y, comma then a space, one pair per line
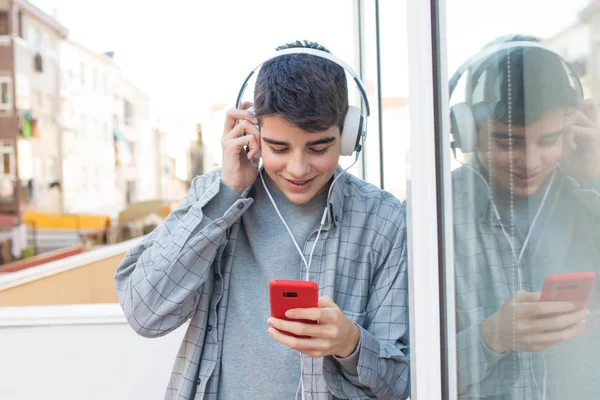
30, 125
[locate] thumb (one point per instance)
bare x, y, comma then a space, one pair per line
325, 301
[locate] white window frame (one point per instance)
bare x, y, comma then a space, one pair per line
7, 106
433, 345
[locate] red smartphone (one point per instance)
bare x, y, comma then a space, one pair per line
289, 294
572, 287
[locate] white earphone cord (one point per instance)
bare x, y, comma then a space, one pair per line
306, 264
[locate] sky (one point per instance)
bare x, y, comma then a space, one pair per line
200, 51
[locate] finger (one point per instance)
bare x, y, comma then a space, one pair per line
590, 109
582, 119
524, 297
540, 309
555, 323
585, 133
240, 129
547, 339
313, 314
300, 328
303, 345
246, 105
236, 145
326, 301
233, 115
569, 139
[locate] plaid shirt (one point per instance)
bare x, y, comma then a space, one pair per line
182, 270
565, 238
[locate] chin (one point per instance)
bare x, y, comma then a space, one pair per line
299, 198
526, 191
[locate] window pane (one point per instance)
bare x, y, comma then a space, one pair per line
6, 163
3, 23
526, 197
4, 92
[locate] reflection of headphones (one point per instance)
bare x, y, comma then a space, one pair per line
355, 124
464, 115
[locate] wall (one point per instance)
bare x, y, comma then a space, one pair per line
87, 278
81, 352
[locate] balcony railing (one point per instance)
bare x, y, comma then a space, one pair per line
54, 348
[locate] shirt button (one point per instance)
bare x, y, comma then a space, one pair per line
240, 206
337, 219
209, 328
217, 277
198, 381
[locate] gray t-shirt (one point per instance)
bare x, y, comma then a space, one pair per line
255, 366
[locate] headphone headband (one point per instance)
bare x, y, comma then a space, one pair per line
313, 52
488, 51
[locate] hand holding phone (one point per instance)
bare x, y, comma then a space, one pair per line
290, 294
240, 131
530, 322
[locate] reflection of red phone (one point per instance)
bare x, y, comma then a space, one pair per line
286, 295
573, 287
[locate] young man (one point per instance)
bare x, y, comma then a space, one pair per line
526, 205
212, 259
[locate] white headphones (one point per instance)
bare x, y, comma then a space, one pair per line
355, 124
463, 115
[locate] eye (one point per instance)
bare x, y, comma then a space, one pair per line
278, 151
548, 142
502, 144
505, 144
319, 151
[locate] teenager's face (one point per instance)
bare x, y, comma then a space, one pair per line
301, 164
536, 149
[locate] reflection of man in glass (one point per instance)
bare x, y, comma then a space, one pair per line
526, 205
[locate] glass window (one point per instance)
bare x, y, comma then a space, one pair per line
82, 72
3, 23
7, 152
128, 112
526, 197
5, 93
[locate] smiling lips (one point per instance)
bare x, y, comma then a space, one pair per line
526, 178
299, 183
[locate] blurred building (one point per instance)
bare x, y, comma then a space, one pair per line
30, 139
89, 109
137, 176
196, 154
172, 187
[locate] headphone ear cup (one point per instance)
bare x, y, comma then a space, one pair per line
463, 127
352, 131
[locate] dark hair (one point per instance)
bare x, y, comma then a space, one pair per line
308, 91
539, 83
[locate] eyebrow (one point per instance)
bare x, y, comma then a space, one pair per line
504, 135
324, 140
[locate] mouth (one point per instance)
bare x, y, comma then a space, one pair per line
299, 184
526, 179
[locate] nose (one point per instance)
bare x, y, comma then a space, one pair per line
297, 165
